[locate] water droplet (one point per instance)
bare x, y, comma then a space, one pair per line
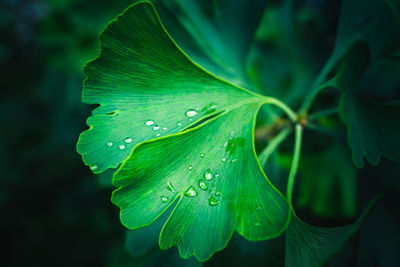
202, 155
197, 108
216, 175
257, 224
93, 167
190, 192
218, 194
156, 127
219, 148
164, 199
170, 187
128, 140
223, 160
202, 184
226, 144
109, 144
212, 201
234, 160
122, 147
158, 134
232, 133
191, 113
149, 122
208, 175
190, 167
179, 124
164, 128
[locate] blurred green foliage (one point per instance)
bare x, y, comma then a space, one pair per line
55, 212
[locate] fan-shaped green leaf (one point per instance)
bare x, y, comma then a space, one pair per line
146, 87
311, 246
373, 127
213, 172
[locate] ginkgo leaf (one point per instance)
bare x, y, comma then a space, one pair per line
217, 34
312, 246
361, 20
146, 87
213, 171
358, 18
327, 189
373, 127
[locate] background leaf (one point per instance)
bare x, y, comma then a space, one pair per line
373, 127
308, 245
217, 34
327, 183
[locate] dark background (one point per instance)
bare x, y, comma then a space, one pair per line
55, 212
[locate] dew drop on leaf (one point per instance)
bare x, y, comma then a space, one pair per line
190, 167
164, 199
179, 124
164, 128
156, 127
212, 201
122, 147
202, 155
223, 160
218, 194
170, 187
208, 175
93, 167
234, 160
216, 175
109, 144
149, 122
202, 184
128, 140
158, 134
190, 192
191, 113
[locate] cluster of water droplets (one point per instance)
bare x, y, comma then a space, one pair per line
122, 145
203, 184
155, 127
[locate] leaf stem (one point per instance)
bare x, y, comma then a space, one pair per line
323, 113
285, 108
273, 145
295, 161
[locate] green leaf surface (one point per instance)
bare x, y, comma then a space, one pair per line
213, 172
216, 34
283, 43
310, 246
373, 122
374, 129
370, 20
327, 189
146, 87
